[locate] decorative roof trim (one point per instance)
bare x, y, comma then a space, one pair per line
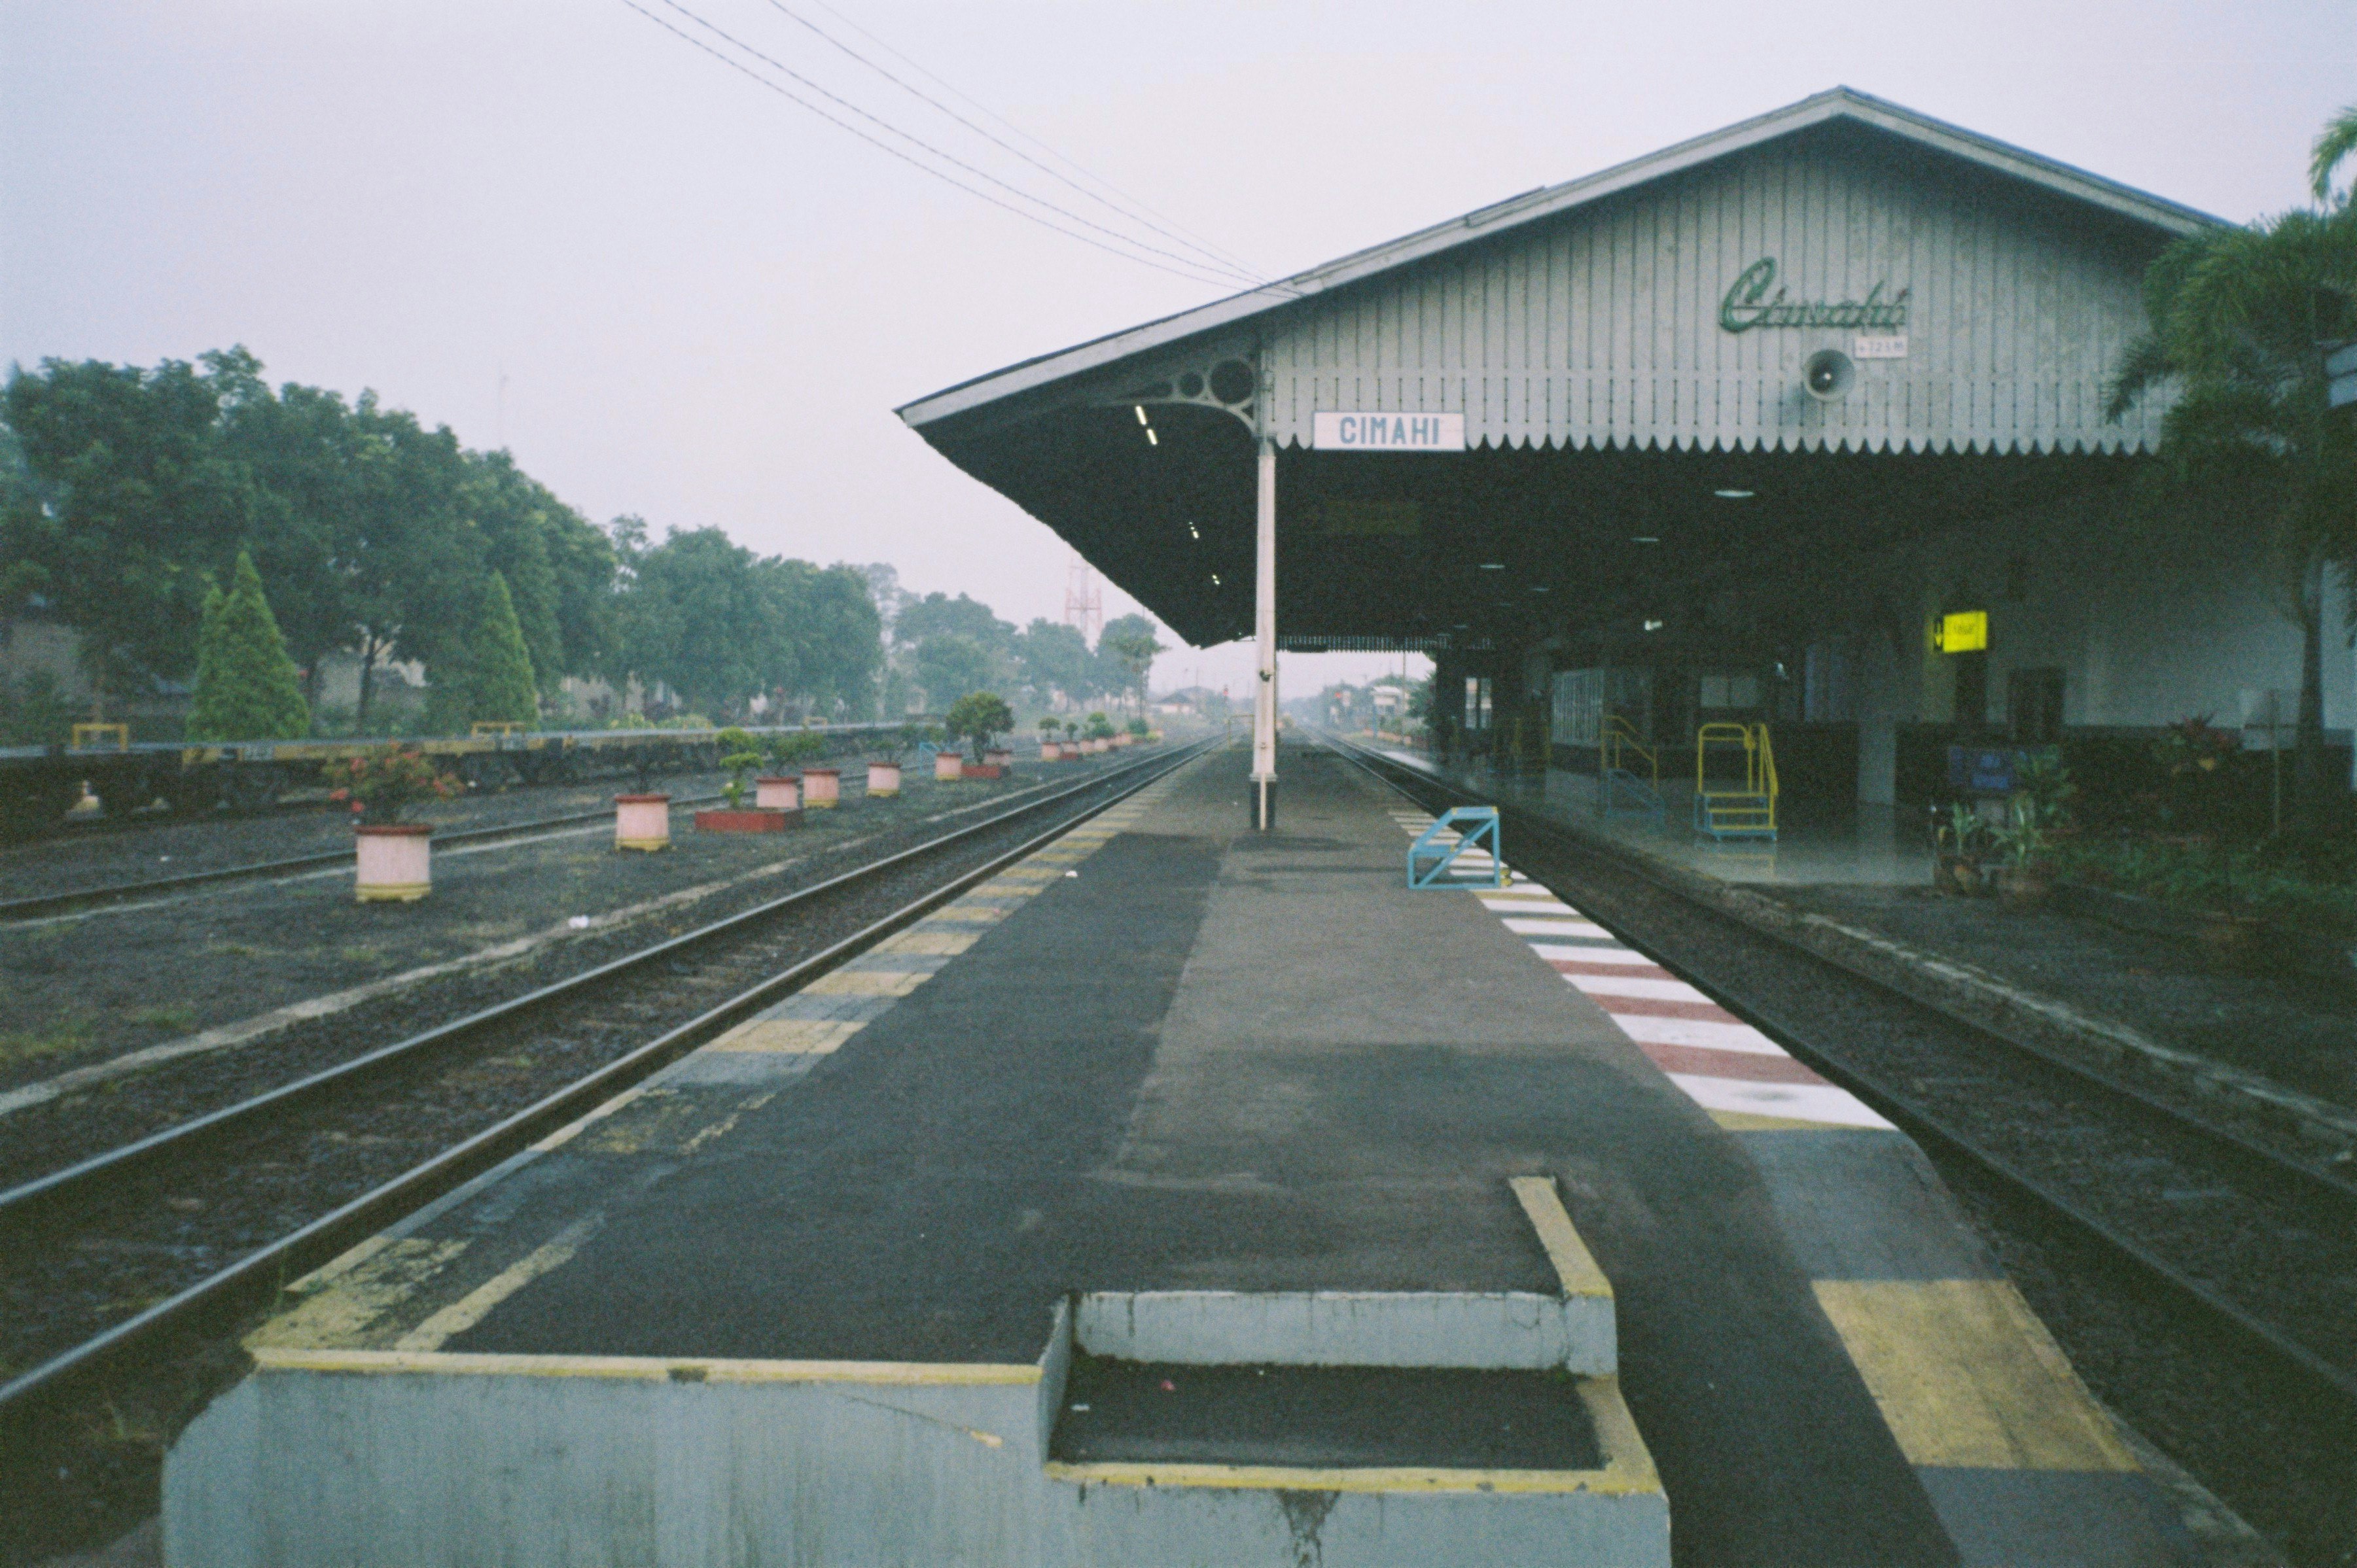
1837, 104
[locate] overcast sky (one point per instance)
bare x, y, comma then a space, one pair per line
703, 302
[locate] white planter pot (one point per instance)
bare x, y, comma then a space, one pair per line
395, 862
1049, 751
948, 765
642, 822
822, 788
781, 794
999, 760
884, 778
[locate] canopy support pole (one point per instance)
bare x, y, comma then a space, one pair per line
1263, 760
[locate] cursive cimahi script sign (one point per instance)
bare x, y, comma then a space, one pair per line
1749, 305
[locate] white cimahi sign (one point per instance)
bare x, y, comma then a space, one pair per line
1388, 432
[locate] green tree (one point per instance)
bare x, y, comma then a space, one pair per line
247, 688
947, 662
692, 617
978, 715
491, 681
139, 500
1055, 658
2237, 316
1127, 646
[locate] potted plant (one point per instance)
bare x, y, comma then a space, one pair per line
392, 860
978, 716
740, 754
1049, 749
1100, 733
884, 772
2026, 874
642, 822
821, 787
1958, 847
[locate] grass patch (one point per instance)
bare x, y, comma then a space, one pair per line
162, 1018
21, 1046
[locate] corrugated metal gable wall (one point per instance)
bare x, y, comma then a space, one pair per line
1601, 327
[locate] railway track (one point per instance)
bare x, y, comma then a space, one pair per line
2250, 1253
40, 905
209, 1215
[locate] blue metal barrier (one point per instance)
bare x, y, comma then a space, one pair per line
1476, 828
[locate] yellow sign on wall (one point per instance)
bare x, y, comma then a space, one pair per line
1967, 631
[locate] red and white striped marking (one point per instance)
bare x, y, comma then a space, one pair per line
1725, 1065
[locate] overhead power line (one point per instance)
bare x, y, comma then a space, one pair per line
1188, 266
987, 112
1142, 216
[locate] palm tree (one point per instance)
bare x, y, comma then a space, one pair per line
2338, 140
2239, 318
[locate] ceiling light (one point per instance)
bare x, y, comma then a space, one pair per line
1538, 587
1139, 409
1215, 579
1644, 539
1152, 439
1494, 565
1194, 533
1652, 625
1734, 495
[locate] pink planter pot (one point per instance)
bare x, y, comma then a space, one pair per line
948, 765
753, 822
998, 758
395, 863
642, 822
1050, 750
822, 788
884, 779
780, 794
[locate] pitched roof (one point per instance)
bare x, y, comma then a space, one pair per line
1840, 103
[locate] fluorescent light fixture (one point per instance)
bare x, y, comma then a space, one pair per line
1734, 495
1139, 409
1494, 565
1644, 539
1538, 587
1194, 533
1215, 579
1652, 625
1152, 439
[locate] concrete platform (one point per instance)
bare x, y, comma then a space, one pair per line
1878, 847
1169, 1093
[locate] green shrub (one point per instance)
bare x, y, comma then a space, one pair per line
246, 686
490, 679
739, 754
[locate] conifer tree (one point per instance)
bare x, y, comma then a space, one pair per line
246, 686
491, 679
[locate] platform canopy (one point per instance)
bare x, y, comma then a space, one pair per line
1600, 393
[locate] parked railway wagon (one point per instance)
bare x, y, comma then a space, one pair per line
41, 786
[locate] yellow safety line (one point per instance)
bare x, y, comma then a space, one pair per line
646, 1368
1965, 1376
476, 1304
1574, 1265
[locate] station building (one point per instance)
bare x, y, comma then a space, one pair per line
1802, 421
